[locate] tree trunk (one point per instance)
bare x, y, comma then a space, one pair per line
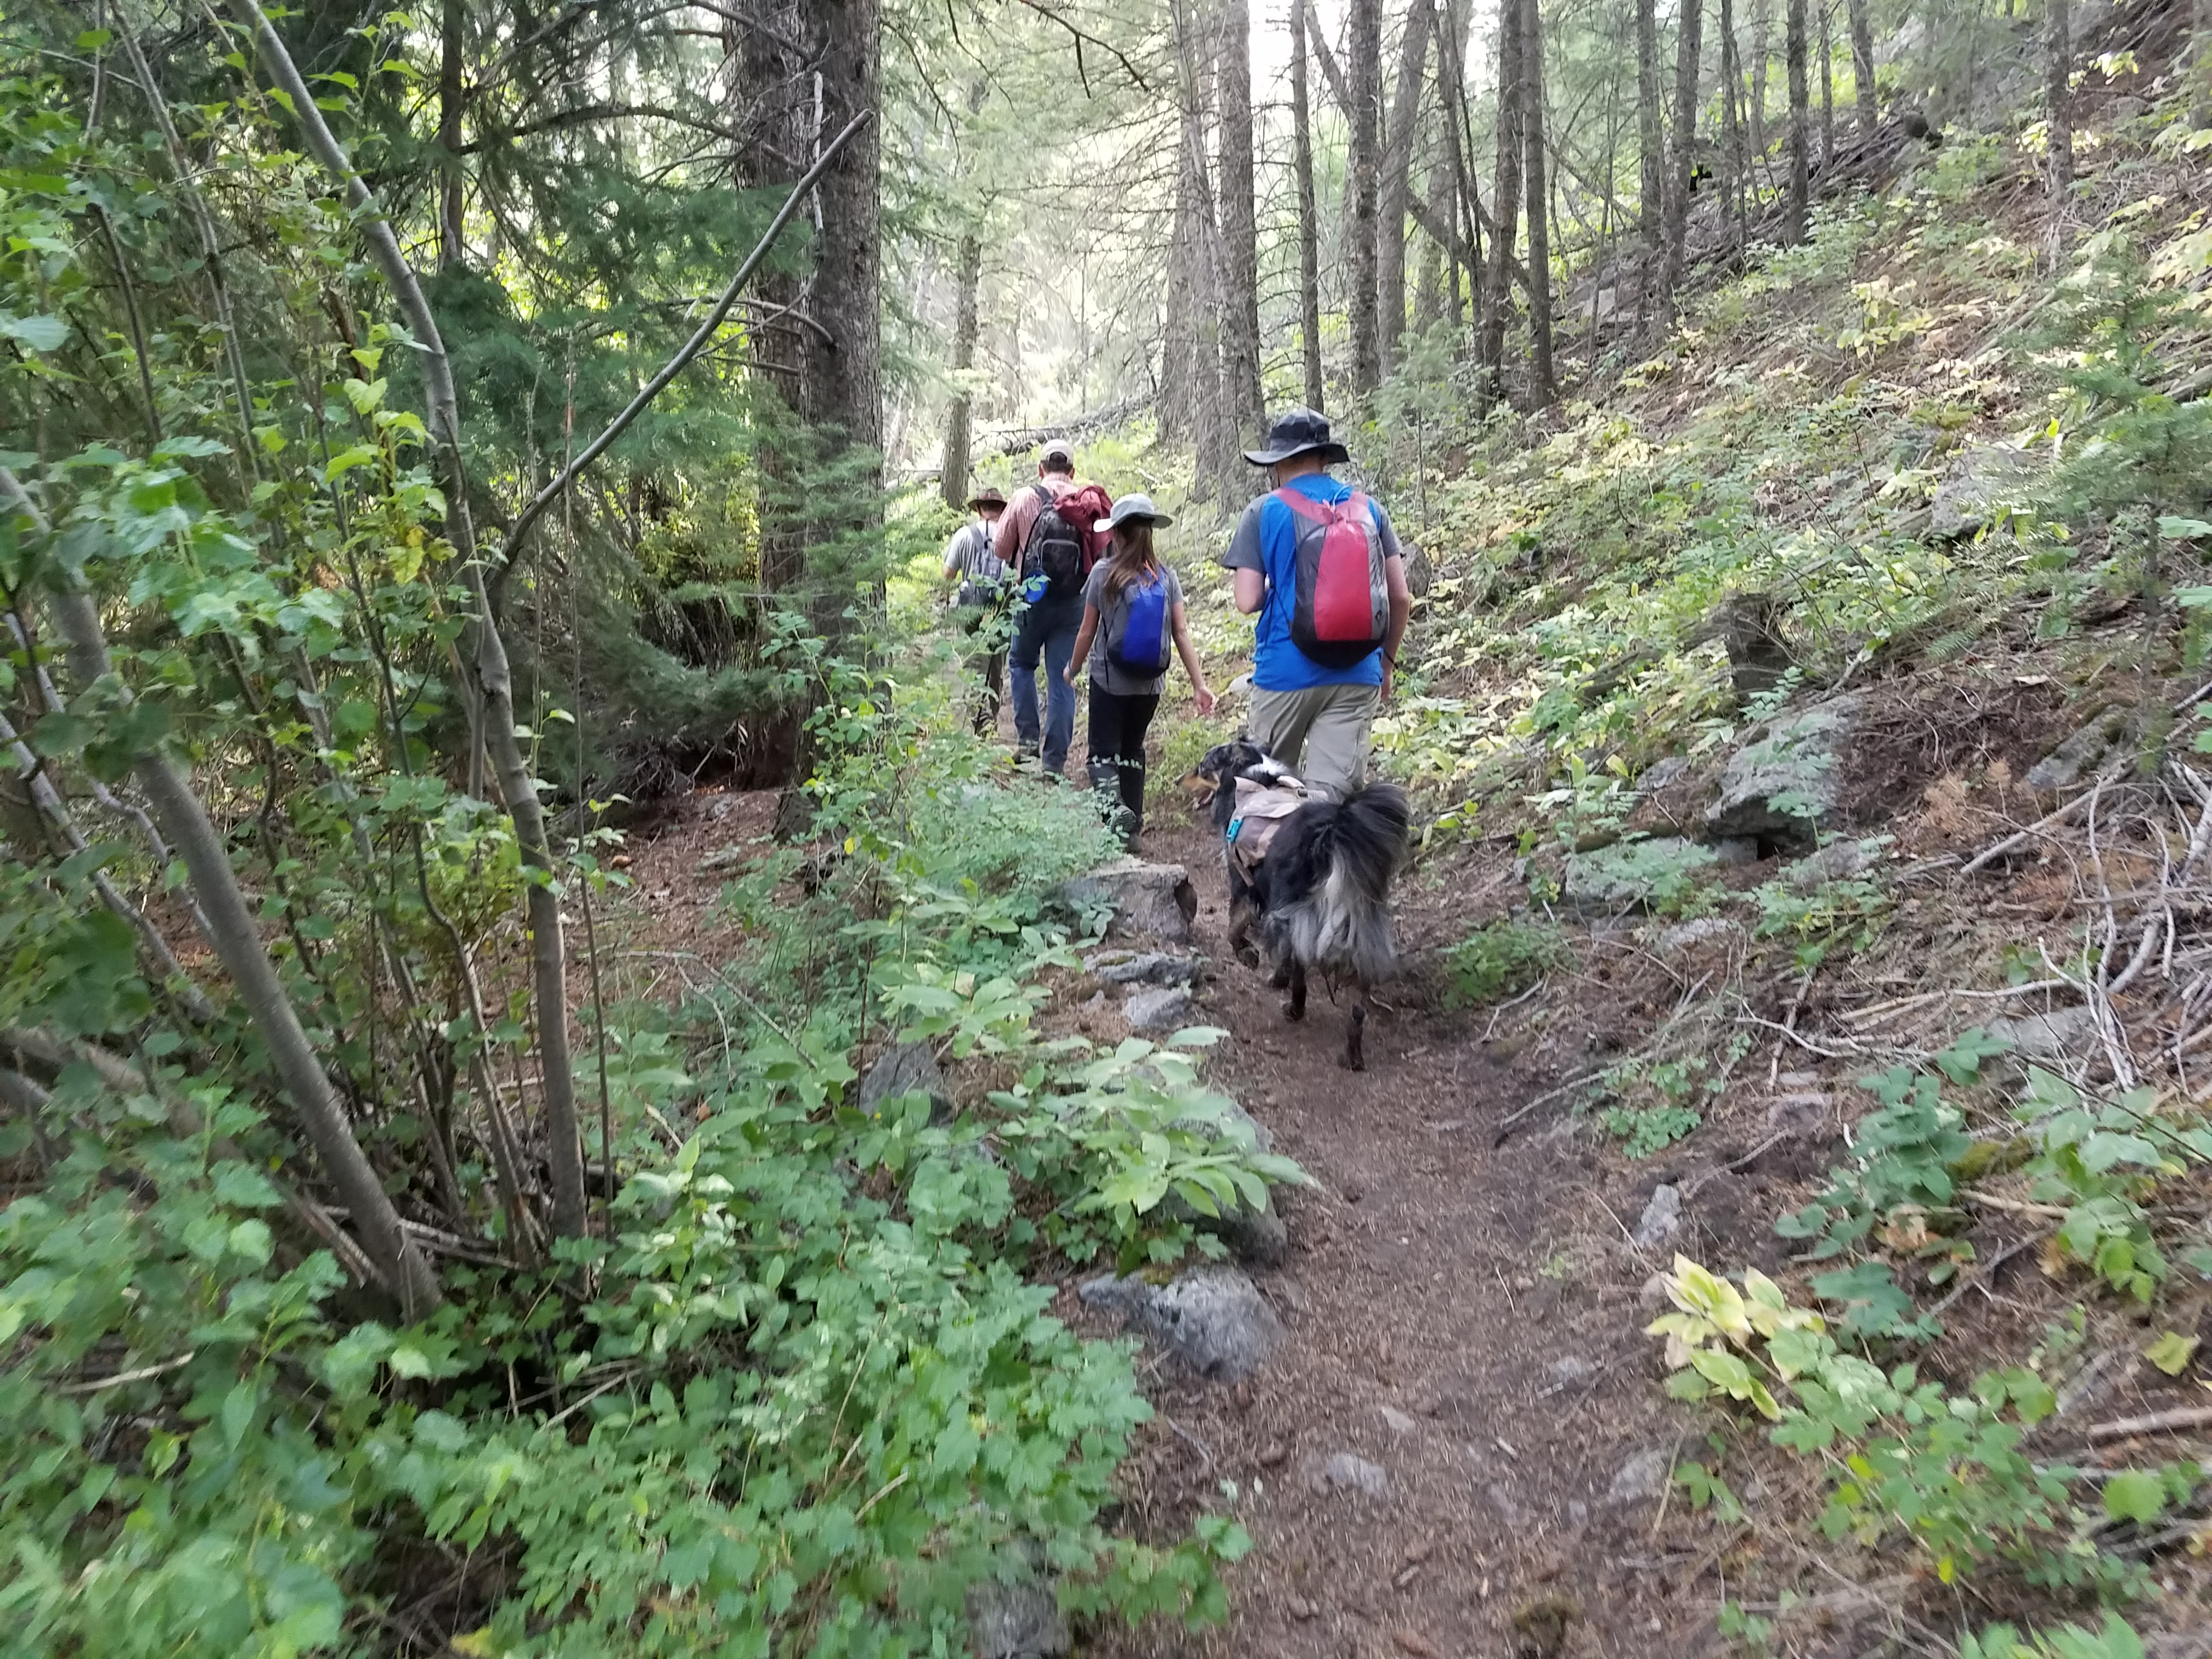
1762, 49
1800, 124
450, 101
1689, 43
1240, 236
967, 279
1506, 193
1732, 114
1308, 228
1459, 140
1827, 87
1363, 77
1651, 194
1439, 266
1397, 175
2057, 71
1862, 86
1543, 385
843, 379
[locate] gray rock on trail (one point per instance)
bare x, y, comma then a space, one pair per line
1015, 1621
1168, 1009
2103, 745
1800, 1115
1784, 787
1628, 873
1662, 774
1142, 966
1211, 1318
1662, 1219
1396, 1421
906, 1068
1984, 478
2054, 1035
1149, 898
1347, 1473
1685, 934
1839, 860
1640, 1480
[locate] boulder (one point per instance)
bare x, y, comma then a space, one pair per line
1147, 898
1018, 1620
1663, 775
1142, 966
1839, 860
1687, 935
1630, 874
902, 1069
1212, 1318
1801, 1116
1783, 787
1662, 1219
1984, 478
1168, 1009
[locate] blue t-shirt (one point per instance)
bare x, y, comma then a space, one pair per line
1266, 541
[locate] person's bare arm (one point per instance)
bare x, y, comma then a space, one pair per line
1078, 654
1014, 527
1190, 663
1402, 612
1251, 590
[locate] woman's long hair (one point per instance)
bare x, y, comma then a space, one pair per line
1131, 559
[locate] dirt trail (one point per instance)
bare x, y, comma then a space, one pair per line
1464, 1318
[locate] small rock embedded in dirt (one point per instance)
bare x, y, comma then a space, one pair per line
1396, 1421
1347, 1472
1273, 1455
1783, 787
1573, 1368
1662, 1219
1733, 852
1142, 968
1412, 1642
902, 1069
1211, 1318
1640, 1480
1542, 1626
721, 859
1984, 476
1300, 1610
1652, 1295
1797, 1080
1839, 860
2048, 1037
1165, 1010
1501, 1499
2086, 753
1149, 898
1683, 935
1094, 1002
1662, 774
1015, 1621
1799, 1115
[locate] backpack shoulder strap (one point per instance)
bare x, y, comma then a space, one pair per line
1312, 511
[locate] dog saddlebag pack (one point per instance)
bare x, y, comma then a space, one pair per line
1140, 646
1341, 613
1260, 811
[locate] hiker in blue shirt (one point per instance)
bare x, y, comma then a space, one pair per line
1131, 614
1312, 704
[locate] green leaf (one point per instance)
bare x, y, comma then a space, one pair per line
2136, 1495
39, 333
2172, 1352
2182, 529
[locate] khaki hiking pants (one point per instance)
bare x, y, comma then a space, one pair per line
1320, 732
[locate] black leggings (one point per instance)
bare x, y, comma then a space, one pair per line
1118, 725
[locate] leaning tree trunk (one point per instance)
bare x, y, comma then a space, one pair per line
487, 658
1397, 177
1506, 193
1861, 27
1543, 385
2057, 71
1459, 142
1240, 235
1651, 196
1308, 228
1363, 91
1801, 137
1683, 153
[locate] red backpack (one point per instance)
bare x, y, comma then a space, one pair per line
1340, 611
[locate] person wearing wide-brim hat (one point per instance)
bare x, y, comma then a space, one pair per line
981, 602
1133, 612
1316, 686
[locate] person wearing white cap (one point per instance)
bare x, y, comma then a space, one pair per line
1131, 614
1044, 621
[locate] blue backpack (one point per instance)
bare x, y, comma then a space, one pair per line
1140, 647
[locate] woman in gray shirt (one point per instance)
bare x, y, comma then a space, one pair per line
1132, 612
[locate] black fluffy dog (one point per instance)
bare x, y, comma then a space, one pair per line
1320, 897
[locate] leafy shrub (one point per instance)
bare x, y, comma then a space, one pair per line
1502, 959
1644, 1130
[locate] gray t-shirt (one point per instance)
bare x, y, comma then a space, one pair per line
1112, 613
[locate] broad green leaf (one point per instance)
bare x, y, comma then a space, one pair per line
2172, 1352
2137, 1495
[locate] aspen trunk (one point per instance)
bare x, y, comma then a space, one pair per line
1240, 238
1800, 122
1506, 193
1542, 384
1308, 228
1651, 195
1862, 87
1762, 50
449, 134
967, 279
1397, 176
1682, 153
1828, 86
1363, 77
2057, 70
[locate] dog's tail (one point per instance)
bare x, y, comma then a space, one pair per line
1347, 920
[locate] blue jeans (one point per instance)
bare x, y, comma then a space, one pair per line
1046, 632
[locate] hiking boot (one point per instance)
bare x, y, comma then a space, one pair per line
1025, 752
